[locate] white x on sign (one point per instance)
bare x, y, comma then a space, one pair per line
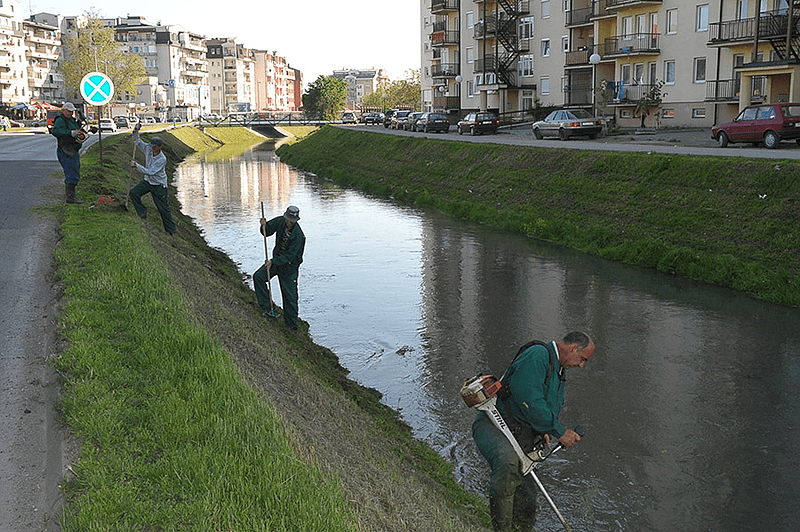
97, 88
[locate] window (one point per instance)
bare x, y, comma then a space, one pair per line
669, 72
702, 18
565, 43
741, 9
672, 21
526, 28
699, 112
527, 99
526, 65
470, 20
545, 85
470, 55
627, 28
545, 47
626, 74
652, 76
699, 69
545, 8
668, 113
470, 89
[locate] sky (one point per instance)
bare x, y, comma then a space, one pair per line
315, 36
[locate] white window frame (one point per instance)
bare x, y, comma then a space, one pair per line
470, 53
526, 65
544, 85
545, 8
701, 18
699, 112
667, 64
565, 43
672, 21
545, 47
470, 89
470, 17
698, 75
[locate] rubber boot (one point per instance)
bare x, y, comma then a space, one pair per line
525, 507
502, 511
71, 197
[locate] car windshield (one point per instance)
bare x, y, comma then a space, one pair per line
748, 114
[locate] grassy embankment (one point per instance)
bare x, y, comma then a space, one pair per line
193, 412
732, 222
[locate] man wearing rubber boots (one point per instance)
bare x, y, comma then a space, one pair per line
67, 130
290, 242
529, 401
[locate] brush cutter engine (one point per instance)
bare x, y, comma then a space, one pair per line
480, 389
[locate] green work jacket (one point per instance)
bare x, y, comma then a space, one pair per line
535, 401
289, 262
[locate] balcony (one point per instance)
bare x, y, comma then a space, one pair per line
445, 38
446, 103
579, 17
616, 4
624, 92
445, 70
722, 90
443, 6
771, 25
578, 94
635, 44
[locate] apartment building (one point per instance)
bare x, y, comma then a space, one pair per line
231, 66
272, 82
705, 59
360, 83
42, 53
13, 72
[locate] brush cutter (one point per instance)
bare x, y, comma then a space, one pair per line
130, 175
271, 312
481, 393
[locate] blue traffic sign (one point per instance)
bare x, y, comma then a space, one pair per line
97, 88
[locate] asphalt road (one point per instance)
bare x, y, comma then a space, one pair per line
32, 443
35, 450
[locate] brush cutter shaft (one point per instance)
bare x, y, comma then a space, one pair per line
528, 464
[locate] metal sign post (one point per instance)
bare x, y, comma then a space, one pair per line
97, 89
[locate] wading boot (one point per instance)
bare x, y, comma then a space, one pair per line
71, 197
502, 511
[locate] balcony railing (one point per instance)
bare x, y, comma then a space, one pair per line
440, 6
579, 94
771, 25
578, 57
576, 17
444, 38
621, 3
722, 90
446, 102
445, 70
626, 92
636, 43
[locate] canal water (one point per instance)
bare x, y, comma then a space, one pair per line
691, 403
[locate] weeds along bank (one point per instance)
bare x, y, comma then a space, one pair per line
193, 412
732, 222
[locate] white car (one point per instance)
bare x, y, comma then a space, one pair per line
106, 124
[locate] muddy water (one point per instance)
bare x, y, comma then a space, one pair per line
690, 403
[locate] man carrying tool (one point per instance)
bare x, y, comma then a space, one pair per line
67, 129
154, 182
530, 400
290, 242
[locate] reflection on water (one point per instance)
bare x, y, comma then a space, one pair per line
690, 404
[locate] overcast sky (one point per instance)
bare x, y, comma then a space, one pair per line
315, 36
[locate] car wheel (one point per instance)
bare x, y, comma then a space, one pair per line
537, 133
722, 139
771, 140
472, 131
562, 134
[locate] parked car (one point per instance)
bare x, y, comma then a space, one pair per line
398, 118
148, 120
566, 123
372, 118
767, 123
106, 124
121, 122
349, 118
410, 123
433, 122
478, 123
387, 117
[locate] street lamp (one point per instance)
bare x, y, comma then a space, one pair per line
594, 59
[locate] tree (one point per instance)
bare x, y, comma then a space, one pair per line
325, 98
400, 93
650, 100
94, 49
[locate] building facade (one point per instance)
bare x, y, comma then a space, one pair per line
360, 83
700, 62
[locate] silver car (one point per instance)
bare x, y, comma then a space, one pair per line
566, 123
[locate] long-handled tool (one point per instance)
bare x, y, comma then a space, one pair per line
130, 175
481, 393
271, 312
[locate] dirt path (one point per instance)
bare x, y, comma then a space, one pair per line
32, 443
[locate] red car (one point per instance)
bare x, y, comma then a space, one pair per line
478, 123
768, 123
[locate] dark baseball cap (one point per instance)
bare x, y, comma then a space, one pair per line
156, 141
